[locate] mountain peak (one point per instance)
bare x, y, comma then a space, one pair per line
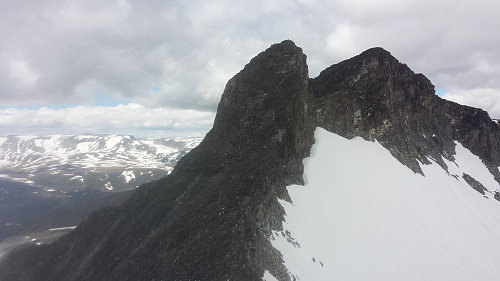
373, 65
273, 81
286, 48
286, 45
374, 96
377, 52
280, 57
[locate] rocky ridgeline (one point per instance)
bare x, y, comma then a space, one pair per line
212, 217
374, 96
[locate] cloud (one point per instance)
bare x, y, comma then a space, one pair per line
124, 49
179, 54
487, 99
129, 119
21, 74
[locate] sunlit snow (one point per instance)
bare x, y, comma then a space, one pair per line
112, 141
362, 215
128, 175
62, 228
80, 178
108, 186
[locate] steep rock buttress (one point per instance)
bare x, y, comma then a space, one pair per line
211, 218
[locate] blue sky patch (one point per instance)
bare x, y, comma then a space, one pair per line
104, 100
440, 91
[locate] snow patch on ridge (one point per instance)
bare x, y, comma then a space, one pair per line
128, 175
108, 186
80, 178
62, 228
364, 216
268, 277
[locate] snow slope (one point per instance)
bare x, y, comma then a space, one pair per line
362, 215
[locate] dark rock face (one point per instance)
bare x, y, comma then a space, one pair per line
497, 195
211, 219
374, 96
477, 186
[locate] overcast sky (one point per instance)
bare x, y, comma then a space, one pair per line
159, 67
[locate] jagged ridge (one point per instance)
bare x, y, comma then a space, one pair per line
374, 96
211, 219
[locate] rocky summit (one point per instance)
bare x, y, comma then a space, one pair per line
214, 216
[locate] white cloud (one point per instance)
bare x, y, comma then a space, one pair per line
180, 54
341, 41
21, 73
127, 119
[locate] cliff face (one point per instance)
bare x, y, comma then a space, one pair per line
212, 217
374, 96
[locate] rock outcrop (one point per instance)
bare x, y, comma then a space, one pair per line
477, 186
374, 96
212, 217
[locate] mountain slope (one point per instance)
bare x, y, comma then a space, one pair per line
364, 216
214, 216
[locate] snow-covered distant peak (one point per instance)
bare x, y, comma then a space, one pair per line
112, 141
64, 146
39, 158
364, 216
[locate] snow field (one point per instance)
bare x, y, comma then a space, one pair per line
362, 215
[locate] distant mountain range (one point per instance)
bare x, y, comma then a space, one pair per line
49, 184
69, 163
